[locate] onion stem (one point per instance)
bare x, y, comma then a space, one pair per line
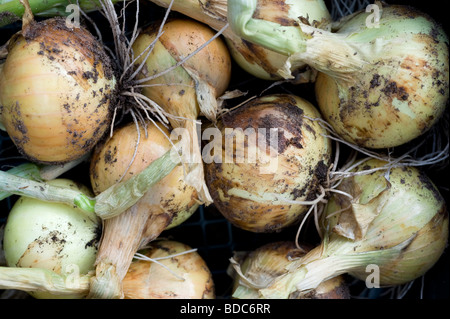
13, 10
40, 279
111, 202
281, 39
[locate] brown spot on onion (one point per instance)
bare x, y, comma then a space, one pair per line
241, 190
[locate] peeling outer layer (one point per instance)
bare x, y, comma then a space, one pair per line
110, 164
179, 92
269, 261
255, 184
402, 89
407, 208
187, 276
264, 63
166, 204
56, 90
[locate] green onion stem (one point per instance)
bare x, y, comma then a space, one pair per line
278, 38
41, 173
13, 10
39, 279
107, 204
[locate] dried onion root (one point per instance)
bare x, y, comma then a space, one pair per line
269, 162
188, 90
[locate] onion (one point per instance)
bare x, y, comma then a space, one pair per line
267, 185
168, 269
166, 204
261, 266
254, 59
184, 92
396, 222
56, 88
379, 87
57, 237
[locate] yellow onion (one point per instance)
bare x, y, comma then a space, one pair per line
392, 230
265, 180
189, 90
255, 59
52, 236
168, 269
382, 83
56, 90
260, 266
166, 204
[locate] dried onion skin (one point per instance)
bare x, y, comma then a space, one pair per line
267, 194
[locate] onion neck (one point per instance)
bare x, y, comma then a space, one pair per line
212, 12
325, 51
26, 181
44, 280
326, 262
123, 236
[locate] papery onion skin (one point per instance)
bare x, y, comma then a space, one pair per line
414, 209
53, 236
56, 90
148, 280
244, 191
402, 89
270, 260
111, 158
177, 94
264, 63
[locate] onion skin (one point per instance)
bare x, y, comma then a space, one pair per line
148, 280
400, 93
56, 90
180, 38
264, 63
420, 214
111, 158
53, 236
189, 90
166, 204
270, 260
254, 59
303, 159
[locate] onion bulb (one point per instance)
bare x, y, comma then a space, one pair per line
56, 89
255, 59
57, 237
258, 267
380, 85
392, 230
268, 162
187, 90
166, 204
168, 269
